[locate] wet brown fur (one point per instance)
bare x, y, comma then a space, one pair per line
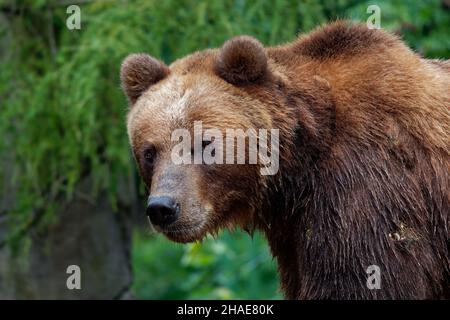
364, 173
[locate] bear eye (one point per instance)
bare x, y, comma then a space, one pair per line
149, 155
205, 143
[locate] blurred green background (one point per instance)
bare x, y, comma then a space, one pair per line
62, 113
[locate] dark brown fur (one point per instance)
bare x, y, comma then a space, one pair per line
242, 60
140, 71
364, 165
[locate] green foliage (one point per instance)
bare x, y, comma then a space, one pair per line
63, 114
424, 25
233, 267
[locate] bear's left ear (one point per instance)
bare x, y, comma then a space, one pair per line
241, 60
138, 72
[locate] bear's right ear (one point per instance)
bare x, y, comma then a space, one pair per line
140, 71
241, 60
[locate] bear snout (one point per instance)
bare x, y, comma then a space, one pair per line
162, 210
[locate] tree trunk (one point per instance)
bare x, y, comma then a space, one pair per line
89, 235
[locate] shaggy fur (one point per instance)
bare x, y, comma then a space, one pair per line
364, 173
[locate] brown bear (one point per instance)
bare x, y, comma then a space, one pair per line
359, 206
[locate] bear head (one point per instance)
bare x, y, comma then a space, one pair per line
229, 94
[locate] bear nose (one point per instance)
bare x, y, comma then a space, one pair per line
163, 210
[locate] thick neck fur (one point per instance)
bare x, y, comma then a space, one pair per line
366, 181
329, 226
348, 201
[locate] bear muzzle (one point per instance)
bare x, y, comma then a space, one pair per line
162, 210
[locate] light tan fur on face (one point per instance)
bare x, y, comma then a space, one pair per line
177, 102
